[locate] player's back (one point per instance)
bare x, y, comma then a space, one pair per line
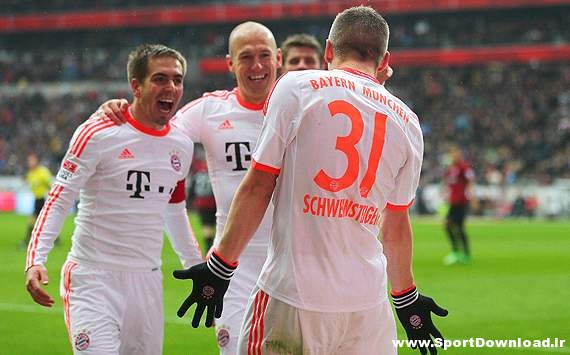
352, 148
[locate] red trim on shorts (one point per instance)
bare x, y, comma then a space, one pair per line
404, 291
70, 265
256, 330
53, 195
147, 130
265, 168
248, 105
179, 193
398, 208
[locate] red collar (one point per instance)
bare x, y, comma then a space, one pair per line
150, 131
248, 105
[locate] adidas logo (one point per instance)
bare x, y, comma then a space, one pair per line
126, 154
225, 125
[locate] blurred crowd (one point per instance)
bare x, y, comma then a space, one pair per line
513, 120
101, 54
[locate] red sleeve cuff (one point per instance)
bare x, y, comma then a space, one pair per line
265, 168
399, 208
402, 292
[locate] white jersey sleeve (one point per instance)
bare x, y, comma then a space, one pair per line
279, 127
408, 177
180, 234
78, 165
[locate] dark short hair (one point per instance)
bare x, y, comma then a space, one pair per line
137, 66
360, 32
301, 40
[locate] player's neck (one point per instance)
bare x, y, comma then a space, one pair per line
364, 67
139, 115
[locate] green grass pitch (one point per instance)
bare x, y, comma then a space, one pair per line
517, 287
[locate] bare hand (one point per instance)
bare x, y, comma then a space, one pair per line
115, 110
385, 74
36, 276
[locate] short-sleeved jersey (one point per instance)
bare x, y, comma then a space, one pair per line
344, 148
39, 180
228, 128
124, 176
457, 177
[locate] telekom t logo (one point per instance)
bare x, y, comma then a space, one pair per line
139, 185
236, 154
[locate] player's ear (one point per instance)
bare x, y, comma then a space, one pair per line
384, 62
135, 88
279, 58
230, 63
328, 52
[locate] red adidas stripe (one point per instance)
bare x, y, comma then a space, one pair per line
92, 121
256, 331
66, 295
38, 228
86, 138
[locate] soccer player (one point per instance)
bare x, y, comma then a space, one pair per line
130, 180
39, 180
337, 154
458, 179
300, 52
227, 124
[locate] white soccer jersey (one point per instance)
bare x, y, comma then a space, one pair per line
228, 128
344, 148
125, 176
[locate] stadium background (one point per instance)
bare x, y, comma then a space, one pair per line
492, 76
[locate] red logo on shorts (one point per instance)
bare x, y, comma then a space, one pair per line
223, 337
82, 341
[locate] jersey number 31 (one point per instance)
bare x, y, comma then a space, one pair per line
347, 145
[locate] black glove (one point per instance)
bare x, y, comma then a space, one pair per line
210, 282
414, 311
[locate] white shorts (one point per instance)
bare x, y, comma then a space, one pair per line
236, 298
112, 312
274, 327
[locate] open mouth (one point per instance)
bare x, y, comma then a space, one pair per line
165, 105
256, 78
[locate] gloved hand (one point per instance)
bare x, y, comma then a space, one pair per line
210, 282
414, 312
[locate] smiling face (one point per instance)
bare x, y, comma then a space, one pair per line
254, 60
159, 94
301, 58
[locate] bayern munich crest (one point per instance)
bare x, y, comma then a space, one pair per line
208, 292
82, 341
175, 162
416, 321
223, 337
